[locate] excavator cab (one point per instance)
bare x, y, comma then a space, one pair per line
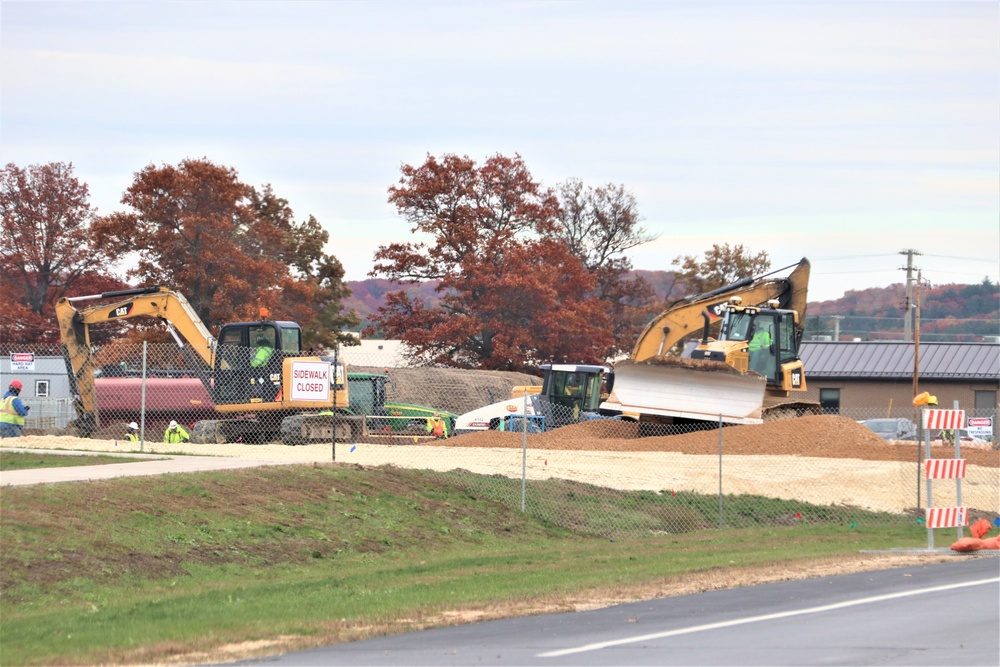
248, 362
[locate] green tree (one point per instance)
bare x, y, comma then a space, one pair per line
513, 293
719, 267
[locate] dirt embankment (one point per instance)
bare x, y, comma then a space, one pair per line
826, 436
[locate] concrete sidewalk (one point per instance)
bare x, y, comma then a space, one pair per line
154, 464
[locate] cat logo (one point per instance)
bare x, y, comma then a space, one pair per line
120, 311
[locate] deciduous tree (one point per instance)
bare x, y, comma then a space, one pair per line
600, 225
513, 293
720, 266
46, 248
228, 248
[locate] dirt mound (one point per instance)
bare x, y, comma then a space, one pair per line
826, 436
451, 389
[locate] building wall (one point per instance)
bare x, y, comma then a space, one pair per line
894, 398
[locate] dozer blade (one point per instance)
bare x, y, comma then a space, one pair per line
687, 389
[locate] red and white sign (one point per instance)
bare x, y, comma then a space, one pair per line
22, 362
945, 468
981, 427
944, 418
310, 381
947, 517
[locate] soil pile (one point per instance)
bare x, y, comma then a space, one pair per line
449, 389
825, 436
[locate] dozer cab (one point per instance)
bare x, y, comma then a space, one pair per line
569, 393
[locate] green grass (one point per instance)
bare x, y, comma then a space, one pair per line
26, 461
134, 570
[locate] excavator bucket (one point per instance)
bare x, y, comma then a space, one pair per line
685, 388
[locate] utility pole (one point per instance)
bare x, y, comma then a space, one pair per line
908, 314
836, 326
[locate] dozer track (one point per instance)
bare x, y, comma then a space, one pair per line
776, 409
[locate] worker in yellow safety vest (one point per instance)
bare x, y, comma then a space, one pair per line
437, 426
12, 412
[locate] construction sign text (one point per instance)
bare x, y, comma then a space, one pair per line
310, 381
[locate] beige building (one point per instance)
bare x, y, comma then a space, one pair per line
876, 379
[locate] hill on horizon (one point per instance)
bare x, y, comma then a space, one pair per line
960, 312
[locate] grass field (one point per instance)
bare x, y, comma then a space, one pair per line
221, 565
26, 461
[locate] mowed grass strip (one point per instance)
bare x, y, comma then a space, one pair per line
139, 569
29, 460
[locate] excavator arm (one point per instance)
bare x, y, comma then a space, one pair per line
74, 330
684, 319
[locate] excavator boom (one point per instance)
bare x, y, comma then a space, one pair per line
683, 319
726, 379
74, 329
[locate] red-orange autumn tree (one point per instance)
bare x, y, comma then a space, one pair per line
47, 250
513, 293
228, 248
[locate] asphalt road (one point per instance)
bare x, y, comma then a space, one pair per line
940, 614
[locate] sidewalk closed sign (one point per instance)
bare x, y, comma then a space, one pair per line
310, 381
22, 362
980, 427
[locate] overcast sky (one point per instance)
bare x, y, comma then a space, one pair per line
844, 132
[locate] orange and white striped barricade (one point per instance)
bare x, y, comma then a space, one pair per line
944, 517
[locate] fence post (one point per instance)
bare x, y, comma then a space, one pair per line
524, 456
142, 402
720, 471
333, 419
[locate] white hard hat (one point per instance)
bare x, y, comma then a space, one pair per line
133, 425
173, 424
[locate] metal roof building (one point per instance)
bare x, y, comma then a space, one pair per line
940, 361
868, 379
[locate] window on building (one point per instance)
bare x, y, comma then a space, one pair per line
986, 403
42, 388
829, 400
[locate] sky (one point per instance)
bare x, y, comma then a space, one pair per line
844, 132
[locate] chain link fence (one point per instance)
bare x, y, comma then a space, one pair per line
857, 468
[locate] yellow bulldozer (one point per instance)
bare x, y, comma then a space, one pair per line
740, 366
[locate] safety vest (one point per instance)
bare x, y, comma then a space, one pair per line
263, 354
760, 340
8, 413
132, 437
179, 435
438, 428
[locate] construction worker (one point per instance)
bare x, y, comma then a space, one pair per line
759, 348
264, 351
12, 412
437, 426
948, 436
175, 433
132, 434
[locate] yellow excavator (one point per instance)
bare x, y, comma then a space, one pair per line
743, 369
283, 398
